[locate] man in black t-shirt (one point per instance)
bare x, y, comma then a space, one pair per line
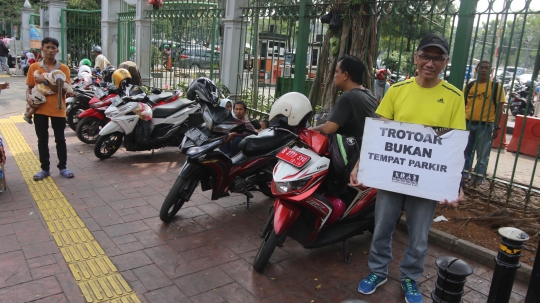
349, 114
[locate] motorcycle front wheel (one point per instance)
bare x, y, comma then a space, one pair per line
266, 250
107, 145
88, 129
179, 194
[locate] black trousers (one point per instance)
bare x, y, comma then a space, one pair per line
41, 123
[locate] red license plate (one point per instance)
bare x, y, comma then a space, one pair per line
293, 157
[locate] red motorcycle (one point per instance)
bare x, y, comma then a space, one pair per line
303, 210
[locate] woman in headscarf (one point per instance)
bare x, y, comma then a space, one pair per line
226, 103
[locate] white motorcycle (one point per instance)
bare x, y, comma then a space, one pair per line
167, 126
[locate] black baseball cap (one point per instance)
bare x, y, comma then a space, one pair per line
433, 40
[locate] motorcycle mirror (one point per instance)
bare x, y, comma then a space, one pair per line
256, 124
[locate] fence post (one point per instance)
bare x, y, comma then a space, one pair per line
467, 11
301, 48
143, 38
55, 25
233, 45
25, 26
109, 29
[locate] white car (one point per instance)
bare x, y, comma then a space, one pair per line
527, 77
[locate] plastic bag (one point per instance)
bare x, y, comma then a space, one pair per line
144, 111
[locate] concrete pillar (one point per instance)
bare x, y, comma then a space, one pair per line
55, 26
234, 41
44, 22
109, 29
143, 38
25, 26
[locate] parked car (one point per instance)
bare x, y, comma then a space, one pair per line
527, 77
197, 57
504, 77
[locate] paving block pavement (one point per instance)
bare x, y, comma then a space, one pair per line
204, 255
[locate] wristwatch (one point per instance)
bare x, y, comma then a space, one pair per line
497, 127
46, 83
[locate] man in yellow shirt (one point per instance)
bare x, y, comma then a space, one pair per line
426, 100
483, 99
49, 110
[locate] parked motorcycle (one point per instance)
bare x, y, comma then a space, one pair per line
93, 119
166, 128
304, 211
83, 92
250, 169
519, 104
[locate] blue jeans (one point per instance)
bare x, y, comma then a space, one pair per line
420, 213
4, 65
481, 133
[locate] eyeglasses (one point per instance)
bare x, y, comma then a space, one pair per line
426, 58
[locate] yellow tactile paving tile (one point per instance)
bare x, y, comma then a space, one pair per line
97, 277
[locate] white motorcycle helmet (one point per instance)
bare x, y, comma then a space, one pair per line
294, 107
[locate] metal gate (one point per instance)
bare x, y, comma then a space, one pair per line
185, 42
82, 31
126, 36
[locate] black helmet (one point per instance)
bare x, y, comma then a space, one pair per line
204, 89
107, 73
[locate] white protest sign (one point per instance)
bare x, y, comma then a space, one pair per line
412, 159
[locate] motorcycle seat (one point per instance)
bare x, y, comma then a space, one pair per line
156, 98
265, 142
168, 109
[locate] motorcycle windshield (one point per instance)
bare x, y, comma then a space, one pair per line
220, 115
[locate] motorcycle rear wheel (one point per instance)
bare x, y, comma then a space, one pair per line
88, 129
179, 194
107, 145
266, 250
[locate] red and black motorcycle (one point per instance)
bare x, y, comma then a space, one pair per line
304, 210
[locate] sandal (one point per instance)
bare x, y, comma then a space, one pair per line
41, 175
66, 173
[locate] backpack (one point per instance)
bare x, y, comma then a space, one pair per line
495, 89
344, 153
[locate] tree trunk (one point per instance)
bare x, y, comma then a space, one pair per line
318, 83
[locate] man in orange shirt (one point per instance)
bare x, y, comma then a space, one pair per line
49, 110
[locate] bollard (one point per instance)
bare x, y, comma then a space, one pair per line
451, 279
506, 264
533, 293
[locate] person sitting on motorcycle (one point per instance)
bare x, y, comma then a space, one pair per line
230, 146
226, 103
348, 115
101, 60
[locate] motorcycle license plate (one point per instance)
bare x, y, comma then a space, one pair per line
196, 136
293, 157
516, 103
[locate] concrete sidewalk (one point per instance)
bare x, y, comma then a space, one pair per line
203, 256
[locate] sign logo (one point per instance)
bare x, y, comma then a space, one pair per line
441, 100
405, 178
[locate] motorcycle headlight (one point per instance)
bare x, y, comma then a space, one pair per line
112, 113
201, 149
285, 187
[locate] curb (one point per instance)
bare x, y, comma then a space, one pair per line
470, 250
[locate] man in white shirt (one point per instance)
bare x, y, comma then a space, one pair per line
101, 61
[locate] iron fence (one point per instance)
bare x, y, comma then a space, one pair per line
185, 42
81, 31
385, 34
